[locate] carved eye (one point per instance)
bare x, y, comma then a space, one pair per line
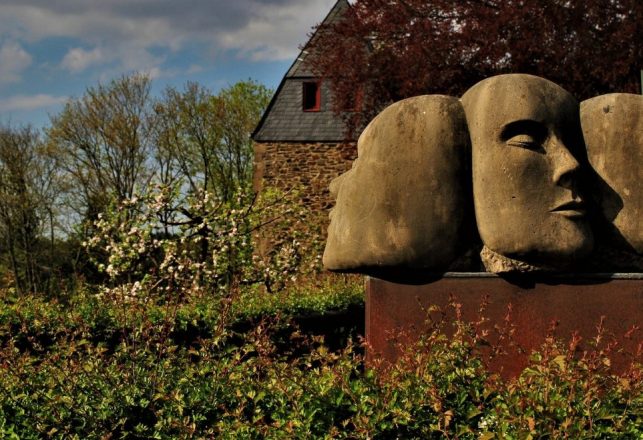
524, 141
526, 134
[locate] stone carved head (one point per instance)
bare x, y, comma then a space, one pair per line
527, 160
613, 129
406, 201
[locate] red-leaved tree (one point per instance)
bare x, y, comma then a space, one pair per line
386, 50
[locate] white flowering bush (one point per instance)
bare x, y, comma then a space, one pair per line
162, 244
290, 243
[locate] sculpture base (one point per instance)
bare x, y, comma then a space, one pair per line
576, 302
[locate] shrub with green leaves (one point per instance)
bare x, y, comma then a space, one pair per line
119, 371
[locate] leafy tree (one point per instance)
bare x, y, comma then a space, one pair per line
205, 138
204, 147
28, 192
401, 48
103, 141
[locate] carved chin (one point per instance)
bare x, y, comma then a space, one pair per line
554, 248
561, 255
573, 249
577, 240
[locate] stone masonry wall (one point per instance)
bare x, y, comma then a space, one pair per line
309, 166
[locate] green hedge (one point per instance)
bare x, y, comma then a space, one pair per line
34, 320
91, 368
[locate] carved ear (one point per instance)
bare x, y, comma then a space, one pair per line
406, 203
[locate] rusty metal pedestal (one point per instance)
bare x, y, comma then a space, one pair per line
575, 301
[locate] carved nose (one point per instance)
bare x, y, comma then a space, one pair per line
335, 184
566, 167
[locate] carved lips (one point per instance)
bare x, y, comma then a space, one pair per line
572, 209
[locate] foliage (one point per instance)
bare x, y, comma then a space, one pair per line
204, 139
28, 192
306, 296
569, 396
35, 323
404, 48
207, 252
117, 143
123, 370
102, 141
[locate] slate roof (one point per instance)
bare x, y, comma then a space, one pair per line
284, 119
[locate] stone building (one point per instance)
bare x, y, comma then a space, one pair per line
300, 142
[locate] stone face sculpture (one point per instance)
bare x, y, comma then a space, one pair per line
613, 129
406, 202
527, 156
542, 187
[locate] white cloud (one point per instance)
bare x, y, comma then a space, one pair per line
194, 68
275, 33
30, 102
132, 35
13, 60
78, 59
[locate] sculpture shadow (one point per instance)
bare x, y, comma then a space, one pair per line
531, 280
400, 275
606, 205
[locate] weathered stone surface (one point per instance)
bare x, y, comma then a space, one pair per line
613, 129
406, 202
527, 159
496, 263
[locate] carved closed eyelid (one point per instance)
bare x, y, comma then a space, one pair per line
522, 139
529, 135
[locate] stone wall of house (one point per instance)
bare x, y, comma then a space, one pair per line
307, 166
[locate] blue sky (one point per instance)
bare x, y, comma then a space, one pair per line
51, 50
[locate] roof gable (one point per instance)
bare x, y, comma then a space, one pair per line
299, 67
284, 119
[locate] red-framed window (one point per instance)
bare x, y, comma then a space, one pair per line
311, 93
